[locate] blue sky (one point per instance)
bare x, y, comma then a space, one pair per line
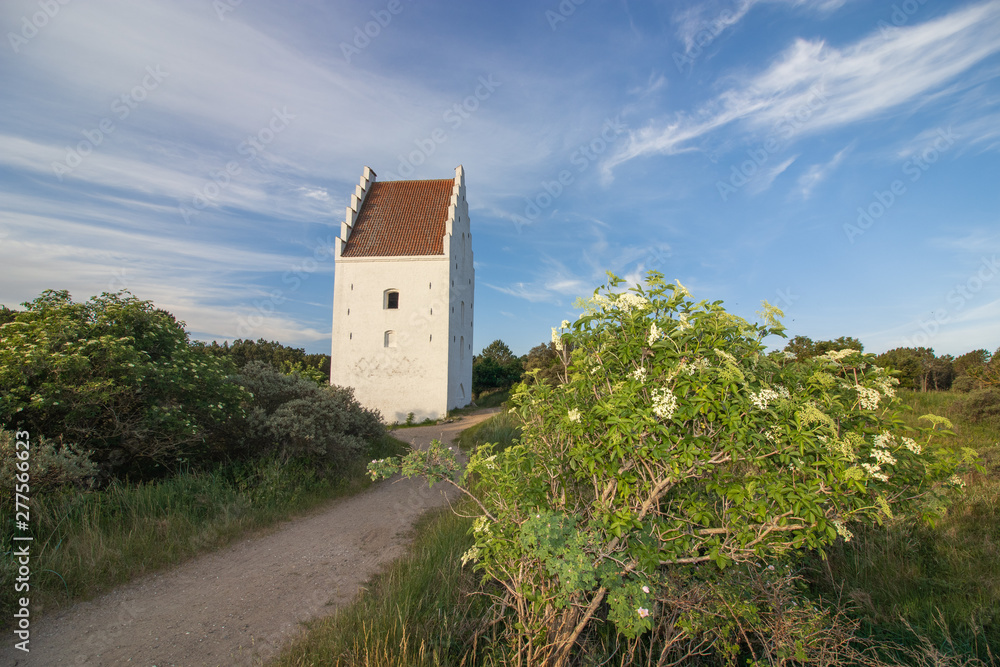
838, 158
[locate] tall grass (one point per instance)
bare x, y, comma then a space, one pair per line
909, 580
502, 428
87, 543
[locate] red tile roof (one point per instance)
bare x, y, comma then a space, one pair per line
401, 218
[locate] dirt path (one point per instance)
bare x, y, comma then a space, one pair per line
239, 605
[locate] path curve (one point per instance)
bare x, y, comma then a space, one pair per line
241, 604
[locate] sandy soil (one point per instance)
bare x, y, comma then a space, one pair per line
240, 605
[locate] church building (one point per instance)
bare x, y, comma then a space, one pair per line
403, 296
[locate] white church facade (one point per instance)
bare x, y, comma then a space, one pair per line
403, 297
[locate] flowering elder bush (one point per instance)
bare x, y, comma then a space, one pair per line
116, 377
676, 447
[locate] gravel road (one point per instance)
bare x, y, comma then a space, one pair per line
241, 604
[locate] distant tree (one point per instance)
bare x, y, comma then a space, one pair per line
989, 374
918, 368
288, 360
804, 347
545, 360
970, 361
7, 315
495, 368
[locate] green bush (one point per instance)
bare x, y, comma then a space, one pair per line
117, 377
678, 456
981, 405
50, 466
291, 417
964, 384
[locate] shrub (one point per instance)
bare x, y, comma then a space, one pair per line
980, 405
964, 384
51, 465
676, 449
116, 376
291, 417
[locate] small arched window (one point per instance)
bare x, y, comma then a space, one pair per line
390, 339
390, 299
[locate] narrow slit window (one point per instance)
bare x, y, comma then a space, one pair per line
390, 339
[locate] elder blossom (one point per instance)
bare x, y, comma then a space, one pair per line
629, 302
842, 531
574, 415
664, 403
654, 334
761, 399
868, 397
557, 339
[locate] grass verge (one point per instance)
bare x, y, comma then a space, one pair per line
911, 583
87, 543
502, 428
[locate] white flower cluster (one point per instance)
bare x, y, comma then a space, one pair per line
790, 355
557, 339
875, 471
481, 525
684, 325
692, 367
912, 445
725, 356
957, 481
574, 415
885, 385
868, 397
471, 555
883, 457
837, 355
639, 374
782, 391
564, 325
842, 530
761, 399
629, 301
883, 440
654, 334
664, 403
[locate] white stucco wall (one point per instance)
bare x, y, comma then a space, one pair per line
410, 375
428, 368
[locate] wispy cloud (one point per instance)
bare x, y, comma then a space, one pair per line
861, 81
704, 21
818, 173
767, 176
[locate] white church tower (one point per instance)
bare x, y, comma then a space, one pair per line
403, 297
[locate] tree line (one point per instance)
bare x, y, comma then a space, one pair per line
916, 368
